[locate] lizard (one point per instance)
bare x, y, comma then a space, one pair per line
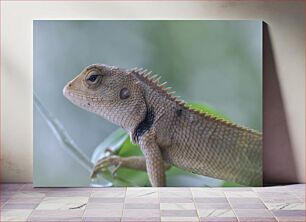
167, 130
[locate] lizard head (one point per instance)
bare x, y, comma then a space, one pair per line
109, 92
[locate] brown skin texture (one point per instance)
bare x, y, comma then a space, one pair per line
168, 132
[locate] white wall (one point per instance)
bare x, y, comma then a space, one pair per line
284, 103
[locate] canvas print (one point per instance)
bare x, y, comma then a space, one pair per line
147, 103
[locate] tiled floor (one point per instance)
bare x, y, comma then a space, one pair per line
21, 202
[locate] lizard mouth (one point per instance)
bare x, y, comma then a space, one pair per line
65, 91
81, 99
75, 96
78, 95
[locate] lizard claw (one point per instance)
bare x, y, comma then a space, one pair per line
106, 162
110, 151
114, 171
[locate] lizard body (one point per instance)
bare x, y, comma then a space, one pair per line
167, 130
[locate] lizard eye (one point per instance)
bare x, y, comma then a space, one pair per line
92, 78
124, 93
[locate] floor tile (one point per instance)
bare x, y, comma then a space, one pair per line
24, 194
285, 206
101, 219
7, 194
55, 219
110, 193
216, 213
14, 214
281, 200
68, 193
140, 219
218, 219
253, 219
289, 213
207, 192
240, 194
291, 219
253, 213
176, 199
236, 205
210, 200
299, 194
235, 189
274, 197
110, 189
27, 187
56, 213
142, 192
177, 206
3, 200
142, 200
248, 200
33, 200
141, 206
176, 189
175, 192
278, 189
266, 204
10, 186
106, 200
103, 213
296, 187
142, 213
179, 219
213, 205
62, 203
178, 213
104, 205
20, 206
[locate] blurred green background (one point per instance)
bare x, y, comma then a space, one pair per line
218, 63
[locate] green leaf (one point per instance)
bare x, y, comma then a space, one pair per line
129, 149
209, 110
137, 177
120, 143
230, 184
114, 142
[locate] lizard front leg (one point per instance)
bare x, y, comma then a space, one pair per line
154, 161
132, 162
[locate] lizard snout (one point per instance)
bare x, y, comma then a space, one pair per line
66, 89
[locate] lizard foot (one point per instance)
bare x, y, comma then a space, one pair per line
110, 151
106, 162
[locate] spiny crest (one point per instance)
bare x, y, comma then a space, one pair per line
153, 81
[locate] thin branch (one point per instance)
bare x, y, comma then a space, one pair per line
62, 136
